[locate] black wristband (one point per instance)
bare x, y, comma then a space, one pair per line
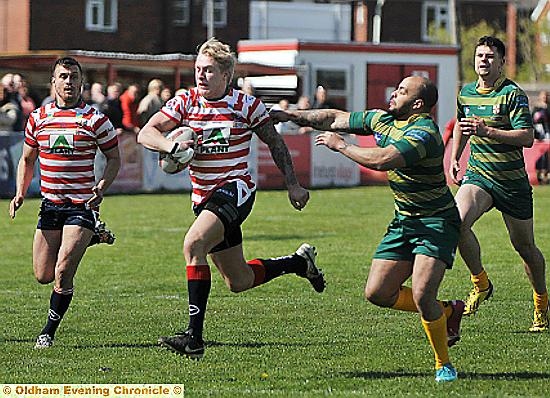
174, 148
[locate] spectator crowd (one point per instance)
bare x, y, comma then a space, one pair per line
128, 107
125, 107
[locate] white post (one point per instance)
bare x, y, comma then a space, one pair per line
209, 19
452, 21
377, 22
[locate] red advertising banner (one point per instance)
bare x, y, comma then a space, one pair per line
270, 177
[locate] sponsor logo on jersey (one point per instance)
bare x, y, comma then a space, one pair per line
62, 144
215, 138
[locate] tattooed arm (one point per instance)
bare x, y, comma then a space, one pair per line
281, 156
319, 119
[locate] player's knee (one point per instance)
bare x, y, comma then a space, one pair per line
237, 286
376, 297
422, 300
193, 246
529, 252
64, 276
44, 278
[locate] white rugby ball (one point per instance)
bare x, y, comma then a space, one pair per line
167, 162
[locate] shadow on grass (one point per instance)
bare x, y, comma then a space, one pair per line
384, 375
250, 344
461, 375
115, 345
256, 344
18, 340
273, 237
504, 376
89, 346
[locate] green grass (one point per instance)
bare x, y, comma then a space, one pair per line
333, 344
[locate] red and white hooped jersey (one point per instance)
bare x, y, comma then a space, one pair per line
67, 141
224, 131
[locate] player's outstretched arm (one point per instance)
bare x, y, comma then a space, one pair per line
25, 170
320, 119
298, 195
381, 159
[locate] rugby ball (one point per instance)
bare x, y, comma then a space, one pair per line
168, 163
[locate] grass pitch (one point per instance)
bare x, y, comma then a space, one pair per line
280, 339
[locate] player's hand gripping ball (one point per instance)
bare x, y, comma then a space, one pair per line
179, 160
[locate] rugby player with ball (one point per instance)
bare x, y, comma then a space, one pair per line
223, 190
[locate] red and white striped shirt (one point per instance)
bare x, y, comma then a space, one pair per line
224, 130
67, 140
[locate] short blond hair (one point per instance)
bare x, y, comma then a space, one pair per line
155, 84
221, 53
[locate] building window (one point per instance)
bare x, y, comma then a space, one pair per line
335, 81
181, 12
220, 13
435, 21
101, 15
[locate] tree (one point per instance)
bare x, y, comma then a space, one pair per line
531, 69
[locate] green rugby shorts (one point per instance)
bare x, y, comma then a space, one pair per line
434, 236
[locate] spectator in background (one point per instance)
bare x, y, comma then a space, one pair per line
50, 97
151, 103
303, 104
284, 127
10, 95
541, 123
321, 99
165, 95
86, 94
8, 112
25, 100
97, 96
129, 104
112, 107
7, 82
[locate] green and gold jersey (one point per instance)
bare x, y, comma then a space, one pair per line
419, 188
504, 107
